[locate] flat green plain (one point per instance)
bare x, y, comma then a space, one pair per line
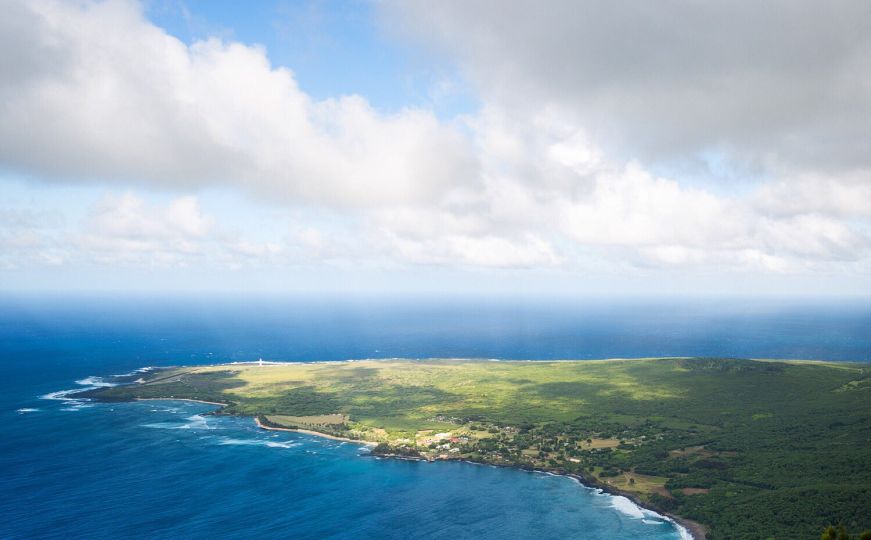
749, 448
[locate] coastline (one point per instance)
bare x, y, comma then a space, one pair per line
181, 399
310, 432
696, 530
263, 426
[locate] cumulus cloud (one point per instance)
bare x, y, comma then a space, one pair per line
780, 83
554, 170
126, 229
102, 94
846, 196
581, 98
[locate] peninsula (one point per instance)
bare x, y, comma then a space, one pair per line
748, 448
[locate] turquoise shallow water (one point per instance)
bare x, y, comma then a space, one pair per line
168, 470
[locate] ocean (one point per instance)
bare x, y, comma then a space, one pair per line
73, 469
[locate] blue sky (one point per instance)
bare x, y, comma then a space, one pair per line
451, 148
333, 47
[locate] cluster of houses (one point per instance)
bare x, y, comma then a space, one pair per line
443, 441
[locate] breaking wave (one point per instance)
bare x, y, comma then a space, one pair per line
95, 382
649, 517
224, 441
193, 422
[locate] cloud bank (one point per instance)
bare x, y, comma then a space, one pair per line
778, 83
585, 108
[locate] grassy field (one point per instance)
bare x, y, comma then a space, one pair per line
752, 449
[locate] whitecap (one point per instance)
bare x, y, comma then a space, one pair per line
229, 441
193, 422
627, 507
198, 422
75, 407
95, 382
72, 404
273, 444
134, 372
61, 395
163, 425
25, 410
682, 531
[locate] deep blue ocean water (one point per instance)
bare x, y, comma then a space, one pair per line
163, 470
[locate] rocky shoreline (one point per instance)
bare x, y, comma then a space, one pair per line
696, 530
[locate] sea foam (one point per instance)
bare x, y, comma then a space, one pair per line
225, 441
649, 517
627, 507
193, 422
95, 382
89, 383
61, 395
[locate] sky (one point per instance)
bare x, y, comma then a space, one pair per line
509, 148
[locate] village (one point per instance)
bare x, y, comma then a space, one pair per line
564, 449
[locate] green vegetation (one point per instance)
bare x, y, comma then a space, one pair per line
752, 449
840, 533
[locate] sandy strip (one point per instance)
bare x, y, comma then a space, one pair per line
179, 399
261, 426
310, 432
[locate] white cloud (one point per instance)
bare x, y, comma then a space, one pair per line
93, 92
529, 251
846, 195
110, 96
781, 83
30, 237
127, 229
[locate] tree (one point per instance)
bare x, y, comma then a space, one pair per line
840, 533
